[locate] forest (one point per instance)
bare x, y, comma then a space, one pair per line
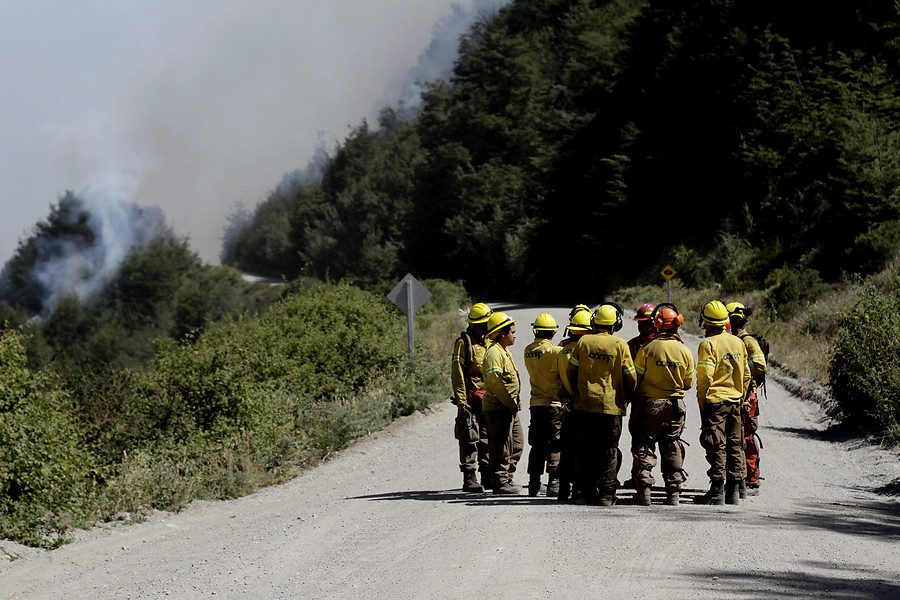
740, 142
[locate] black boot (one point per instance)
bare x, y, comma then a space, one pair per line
508, 489
565, 488
673, 496
553, 487
470, 483
534, 485
732, 492
715, 495
642, 497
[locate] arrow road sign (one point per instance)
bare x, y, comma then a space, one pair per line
409, 295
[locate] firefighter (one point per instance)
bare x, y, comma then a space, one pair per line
579, 308
501, 404
665, 370
602, 375
737, 316
546, 408
468, 391
644, 318
579, 325
646, 331
723, 377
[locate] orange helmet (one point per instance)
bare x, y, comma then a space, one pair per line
667, 317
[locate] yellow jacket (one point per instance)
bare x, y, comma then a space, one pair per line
602, 374
566, 347
540, 361
756, 357
722, 371
501, 380
466, 377
665, 368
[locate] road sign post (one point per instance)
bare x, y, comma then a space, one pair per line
668, 272
409, 296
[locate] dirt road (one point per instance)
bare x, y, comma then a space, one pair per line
386, 519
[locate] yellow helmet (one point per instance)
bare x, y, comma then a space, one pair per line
606, 315
715, 313
479, 313
498, 321
545, 322
579, 308
580, 321
736, 309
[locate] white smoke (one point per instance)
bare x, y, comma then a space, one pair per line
437, 61
202, 103
93, 234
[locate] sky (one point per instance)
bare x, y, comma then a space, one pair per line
195, 106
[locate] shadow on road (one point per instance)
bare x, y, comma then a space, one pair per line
456, 496
867, 519
833, 433
888, 489
864, 518
873, 518
798, 584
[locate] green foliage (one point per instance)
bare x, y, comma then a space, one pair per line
874, 249
250, 401
241, 404
446, 297
45, 468
791, 290
322, 344
160, 289
565, 121
864, 378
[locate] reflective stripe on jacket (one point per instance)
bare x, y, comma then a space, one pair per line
665, 368
501, 379
722, 371
465, 378
756, 357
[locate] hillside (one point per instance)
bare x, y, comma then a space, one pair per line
744, 139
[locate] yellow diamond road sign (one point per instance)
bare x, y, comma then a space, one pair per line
668, 272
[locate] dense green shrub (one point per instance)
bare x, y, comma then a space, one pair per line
247, 403
864, 376
446, 296
877, 247
45, 469
231, 408
317, 345
792, 289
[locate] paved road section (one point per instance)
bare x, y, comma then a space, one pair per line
386, 519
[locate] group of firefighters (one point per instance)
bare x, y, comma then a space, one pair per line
580, 391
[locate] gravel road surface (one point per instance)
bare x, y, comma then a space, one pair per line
386, 519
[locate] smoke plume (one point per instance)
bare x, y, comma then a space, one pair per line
88, 236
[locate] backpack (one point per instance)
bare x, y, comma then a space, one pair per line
469, 348
764, 346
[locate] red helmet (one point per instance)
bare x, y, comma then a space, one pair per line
667, 318
645, 312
